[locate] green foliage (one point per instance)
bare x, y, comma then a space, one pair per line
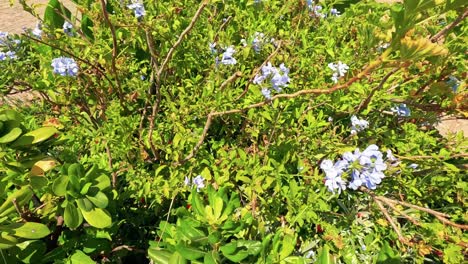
155, 150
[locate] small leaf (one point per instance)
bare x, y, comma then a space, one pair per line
98, 217
60, 185
81, 258
30, 230
100, 199
42, 166
72, 216
34, 137
159, 256
188, 252
12, 135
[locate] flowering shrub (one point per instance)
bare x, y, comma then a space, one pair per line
171, 131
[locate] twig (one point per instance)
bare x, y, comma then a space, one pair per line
335, 88
446, 29
448, 222
390, 220
410, 218
114, 174
129, 248
114, 50
366, 102
432, 157
257, 70
18, 210
162, 68
181, 37
167, 219
221, 28
230, 80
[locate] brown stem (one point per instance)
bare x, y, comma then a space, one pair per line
366, 102
52, 243
221, 28
230, 80
450, 26
114, 174
390, 220
335, 88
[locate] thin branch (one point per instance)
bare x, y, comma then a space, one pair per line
114, 49
462, 155
129, 248
257, 70
390, 220
448, 222
366, 102
230, 80
410, 218
114, 174
450, 26
335, 88
427, 210
221, 28
181, 37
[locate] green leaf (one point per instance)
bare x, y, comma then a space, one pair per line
84, 204
324, 256
211, 258
197, 204
387, 255
98, 217
176, 258
188, 252
229, 248
76, 172
159, 255
60, 184
81, 258
72, 216
11, 135
100, 199
22, 196
34, 137
30, 230
7, 240
289, 242
86, 26
54, 13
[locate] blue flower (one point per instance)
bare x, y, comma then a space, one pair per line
278, 77
333, 179
258, 41
358, 124
65, 66
339, 70
335, 12
199, 182
213, 48
9, 55
266, 93
453, 82
401, 110
227, 58
67, 28
37, 31
137, 8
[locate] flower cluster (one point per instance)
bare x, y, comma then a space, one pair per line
401, 110
363, 168
334, 12
258, 41
278, 77
316, 9
65, 66
137, 8
339, 70
358, 125
7, 47
198, 181
67, 28
453, 82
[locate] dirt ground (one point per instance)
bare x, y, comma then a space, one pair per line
14, 19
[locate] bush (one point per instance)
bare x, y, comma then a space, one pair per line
235, 132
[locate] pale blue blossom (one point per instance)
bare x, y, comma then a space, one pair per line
37, 31
401, 110
333, 179
67, 28
258, 41
453, 82
65, 66
339, 70
358, 125
213, 48
278, 78
138, 8
266, 93
227, 57
334, 12
9, 55
199, 182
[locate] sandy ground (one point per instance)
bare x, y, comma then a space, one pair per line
14, 19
